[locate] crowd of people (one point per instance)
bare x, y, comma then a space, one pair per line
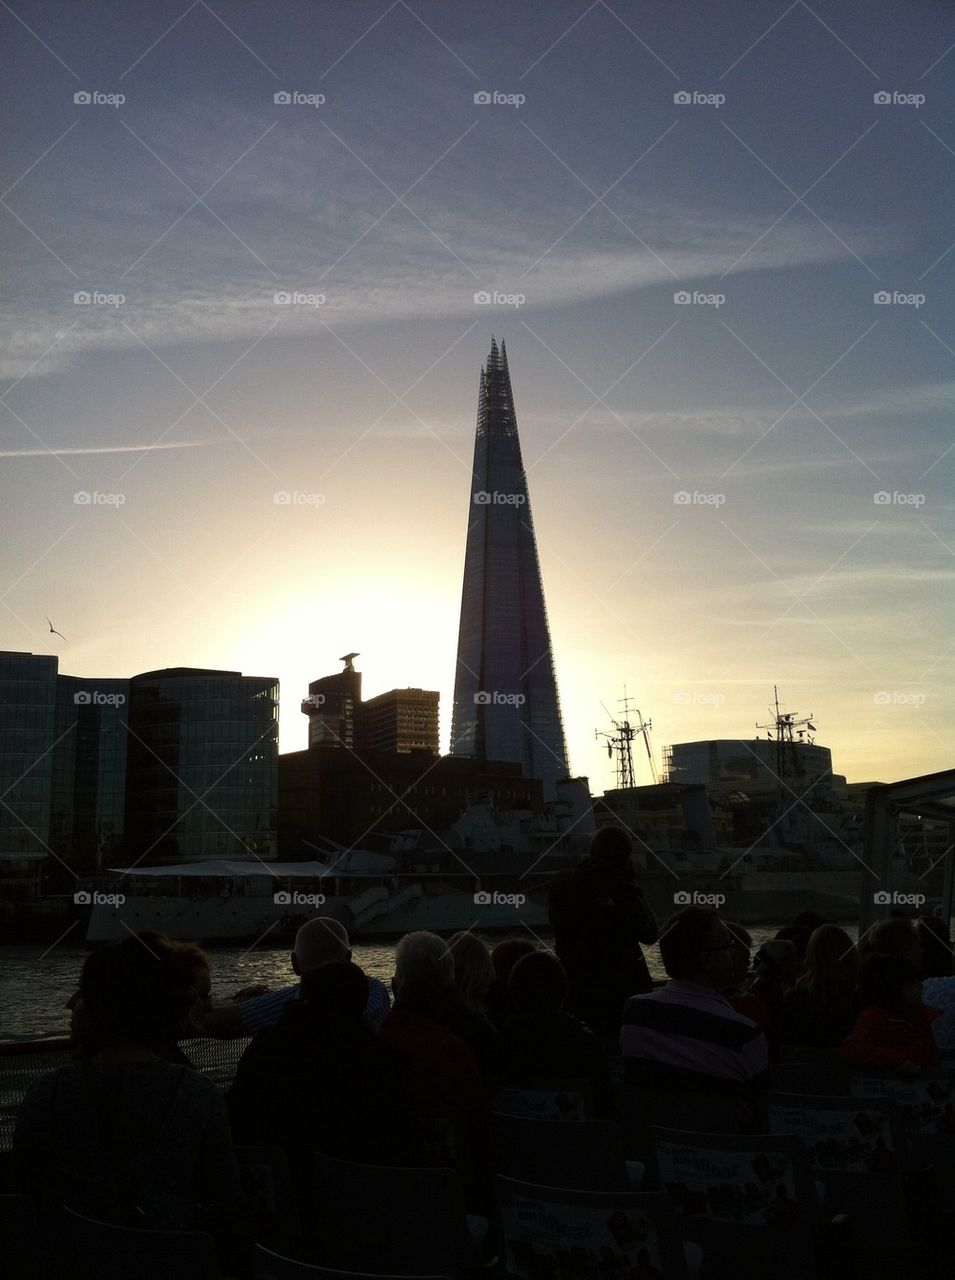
128, 1132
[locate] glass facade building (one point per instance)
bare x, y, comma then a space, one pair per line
89, 773
505, 690
202, 775
27, 722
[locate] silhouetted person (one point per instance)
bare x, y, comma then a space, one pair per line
896, 937
464, 1010
687, 1034
319, 941
600, 918
322, 1081
541, 1042
121, 1134
894, 1030
504, 956
820, 1008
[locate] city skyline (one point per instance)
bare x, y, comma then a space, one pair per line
718, 248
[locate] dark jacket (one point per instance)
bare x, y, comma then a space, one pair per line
600, 917
554, 1046
326, 1087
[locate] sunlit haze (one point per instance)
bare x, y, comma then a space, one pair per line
718, 251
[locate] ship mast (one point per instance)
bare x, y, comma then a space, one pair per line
619, 740
788, 733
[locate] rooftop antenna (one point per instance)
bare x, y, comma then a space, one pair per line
620, 738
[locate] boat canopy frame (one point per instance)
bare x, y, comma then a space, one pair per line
930, 796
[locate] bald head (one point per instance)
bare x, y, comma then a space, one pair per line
320, 941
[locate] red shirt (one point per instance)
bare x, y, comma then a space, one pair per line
883, 1039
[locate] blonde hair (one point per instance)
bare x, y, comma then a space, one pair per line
473, 971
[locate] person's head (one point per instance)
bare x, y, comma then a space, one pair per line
336, 992
538, 984
696, 946
936, 947
320, 941
741, 952
138, 991
611, 848
799, 936
505, 955
775, 962
831, 959
891, 983
196, 962
472, 970
424, 970
898, 938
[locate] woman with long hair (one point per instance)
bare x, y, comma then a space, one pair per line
820, 1008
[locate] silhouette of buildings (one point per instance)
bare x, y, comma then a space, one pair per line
400, 720
168, 766
505, 690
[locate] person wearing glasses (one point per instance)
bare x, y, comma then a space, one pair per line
687, 1034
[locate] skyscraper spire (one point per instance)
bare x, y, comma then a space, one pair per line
505, 692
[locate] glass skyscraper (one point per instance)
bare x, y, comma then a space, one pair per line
202, 772
505, 690
27, 720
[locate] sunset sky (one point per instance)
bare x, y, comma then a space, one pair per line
801, 198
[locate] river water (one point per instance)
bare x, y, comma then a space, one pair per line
35, 986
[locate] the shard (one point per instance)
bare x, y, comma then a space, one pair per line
505, 691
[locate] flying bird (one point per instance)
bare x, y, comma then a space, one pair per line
55, 632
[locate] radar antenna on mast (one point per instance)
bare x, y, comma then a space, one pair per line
619, 740
788, 733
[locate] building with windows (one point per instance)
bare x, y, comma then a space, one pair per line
401, 720
202, 766
88, 808
27, 738
331, 707
730, 763
505, 690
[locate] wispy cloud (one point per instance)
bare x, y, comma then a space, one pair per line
115, 448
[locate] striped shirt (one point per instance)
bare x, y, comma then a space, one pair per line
265, 1011
685, 1034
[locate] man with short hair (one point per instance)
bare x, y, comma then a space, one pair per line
600, 918
687, 1034
318, 942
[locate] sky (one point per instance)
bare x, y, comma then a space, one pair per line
248, 250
